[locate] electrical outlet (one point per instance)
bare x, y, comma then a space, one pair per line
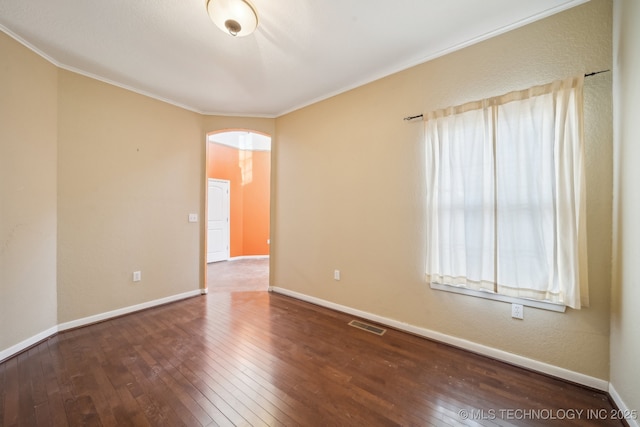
193, 217
336, 274
517, 311
137, 276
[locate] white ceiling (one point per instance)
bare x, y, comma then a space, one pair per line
303, 50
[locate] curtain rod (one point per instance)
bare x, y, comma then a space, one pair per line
596, 72
409, 118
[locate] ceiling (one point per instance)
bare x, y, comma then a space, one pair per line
303, 50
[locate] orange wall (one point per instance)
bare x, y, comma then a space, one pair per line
249, 202
256, 205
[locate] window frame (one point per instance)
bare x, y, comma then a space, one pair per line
552, 305
544, 305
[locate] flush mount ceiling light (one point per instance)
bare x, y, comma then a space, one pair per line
235, 17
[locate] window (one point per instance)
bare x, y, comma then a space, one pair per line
505, 195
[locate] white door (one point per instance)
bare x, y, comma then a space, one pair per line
218, 220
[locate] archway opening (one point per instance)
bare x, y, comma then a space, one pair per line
238, 172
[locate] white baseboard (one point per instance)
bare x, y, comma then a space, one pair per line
15, 349
238, 258
126, 310
502, 355
624, 409
514, 359
241, 257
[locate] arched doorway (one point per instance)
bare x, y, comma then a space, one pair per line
238, 170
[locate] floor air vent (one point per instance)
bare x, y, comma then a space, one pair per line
367, 327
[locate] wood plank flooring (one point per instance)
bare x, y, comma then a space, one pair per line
261, 359
239, 275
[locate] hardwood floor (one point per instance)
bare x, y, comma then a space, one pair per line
255, 358
251, 274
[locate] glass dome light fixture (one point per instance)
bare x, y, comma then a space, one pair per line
235, 17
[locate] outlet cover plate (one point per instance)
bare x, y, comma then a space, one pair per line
517, 311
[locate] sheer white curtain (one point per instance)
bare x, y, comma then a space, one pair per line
505, 195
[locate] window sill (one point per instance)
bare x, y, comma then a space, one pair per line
497, 297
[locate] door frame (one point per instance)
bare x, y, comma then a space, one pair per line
205, 209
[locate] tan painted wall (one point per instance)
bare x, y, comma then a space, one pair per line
130, 170
95, 182
625, 313
257, 124
28, 114
349, 191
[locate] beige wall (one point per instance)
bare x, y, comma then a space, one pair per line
258, 124
350, 192
96, 182
28, 113
129, 173
625, 313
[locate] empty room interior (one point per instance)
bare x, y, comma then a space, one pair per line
110, 121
